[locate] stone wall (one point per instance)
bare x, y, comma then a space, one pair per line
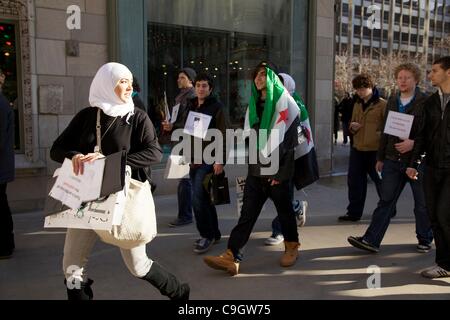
63, 63
321, 75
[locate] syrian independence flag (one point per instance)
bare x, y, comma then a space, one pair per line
306, 168
280, 111
306, 146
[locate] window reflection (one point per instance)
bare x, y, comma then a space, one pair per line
225, 39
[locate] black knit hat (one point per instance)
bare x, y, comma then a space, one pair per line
264, 64
190, 73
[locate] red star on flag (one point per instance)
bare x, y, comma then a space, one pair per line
283, 116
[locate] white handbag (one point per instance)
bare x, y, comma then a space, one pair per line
138, 225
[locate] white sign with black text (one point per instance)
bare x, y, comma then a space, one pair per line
175, 110
399, 124
197, 124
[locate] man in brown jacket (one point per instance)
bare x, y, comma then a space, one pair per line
366, 126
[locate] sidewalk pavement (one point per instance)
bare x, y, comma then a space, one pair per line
328, 267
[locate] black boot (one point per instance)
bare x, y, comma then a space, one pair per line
7, 246
84, 293
167, 283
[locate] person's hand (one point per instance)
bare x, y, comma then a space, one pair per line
355, 126
412, 173
218, 169
167, 126
379, 166
404, 146
78, 161
274, 182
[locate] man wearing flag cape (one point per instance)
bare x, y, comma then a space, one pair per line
273, 117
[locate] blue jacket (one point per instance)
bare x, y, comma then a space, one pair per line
6, 141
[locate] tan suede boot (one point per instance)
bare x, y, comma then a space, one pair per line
290, 254
224, 262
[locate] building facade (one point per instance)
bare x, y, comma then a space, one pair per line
382, 27
51, 49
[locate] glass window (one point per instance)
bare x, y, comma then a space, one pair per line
8, 63
225, 39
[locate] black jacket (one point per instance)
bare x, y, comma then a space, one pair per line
7, 169
434, 134
137, 138
346, 109
214, 108
387, 149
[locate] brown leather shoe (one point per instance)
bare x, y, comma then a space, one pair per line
224, 262
290, 254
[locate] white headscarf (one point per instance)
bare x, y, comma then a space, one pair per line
102, 93
289, 83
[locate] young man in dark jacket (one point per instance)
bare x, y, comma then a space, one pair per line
205, 212
434, 140
7, 171
259, 185
185, 83
393, 157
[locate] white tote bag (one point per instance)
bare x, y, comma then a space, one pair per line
138, 225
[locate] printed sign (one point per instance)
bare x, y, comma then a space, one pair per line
399, 124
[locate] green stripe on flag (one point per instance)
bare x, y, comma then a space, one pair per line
274, 90
303, 112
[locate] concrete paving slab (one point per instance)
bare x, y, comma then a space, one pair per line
328, 267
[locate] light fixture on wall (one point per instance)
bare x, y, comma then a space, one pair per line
72, 48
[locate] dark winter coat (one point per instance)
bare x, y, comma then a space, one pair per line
138, 139
387, 142
6, 141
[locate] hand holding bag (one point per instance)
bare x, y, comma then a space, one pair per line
217, 187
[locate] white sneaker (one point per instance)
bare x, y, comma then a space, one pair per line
435, 272
301, 216
273, 241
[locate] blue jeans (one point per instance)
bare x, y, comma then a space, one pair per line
204, 211
392, 185
185, 200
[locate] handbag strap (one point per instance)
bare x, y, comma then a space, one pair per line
98, 127
98, 147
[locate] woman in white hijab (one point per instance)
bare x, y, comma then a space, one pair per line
123, 127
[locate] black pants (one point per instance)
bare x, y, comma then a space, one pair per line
256, 191
361, 164
6, 222
437, 197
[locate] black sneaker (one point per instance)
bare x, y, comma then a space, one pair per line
203, 245
423, 247
348, 218
178, 223
196, 242
360, 243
